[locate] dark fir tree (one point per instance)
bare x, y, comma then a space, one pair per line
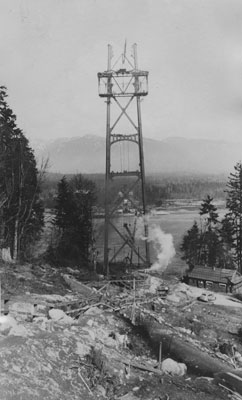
64, 205
21, 212
226, 233
209, 211
234, 215
191, 245
84, 197
73, 220
207, 244
210, 242
212, 248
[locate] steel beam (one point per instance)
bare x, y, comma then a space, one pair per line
128, 84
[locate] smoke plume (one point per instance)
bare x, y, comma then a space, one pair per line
139, 231
163, 246
162, 243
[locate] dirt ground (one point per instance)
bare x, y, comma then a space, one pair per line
213, 323
51, 358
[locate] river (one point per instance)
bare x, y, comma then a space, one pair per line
175, 223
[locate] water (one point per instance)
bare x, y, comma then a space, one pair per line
176, 223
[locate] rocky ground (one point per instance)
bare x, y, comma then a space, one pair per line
69, 335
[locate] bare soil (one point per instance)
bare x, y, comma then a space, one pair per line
211, 324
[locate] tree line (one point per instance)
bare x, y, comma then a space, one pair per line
159, 189
22, 205
217, 242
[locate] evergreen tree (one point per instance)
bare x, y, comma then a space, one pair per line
21, 213
209, 211
220, 243
234, 215
226, 232
203, 246
210, 243
64, 205
191, 245
73, 219
213, 248
84, 198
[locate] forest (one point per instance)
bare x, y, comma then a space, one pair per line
217, 242
159, 188
24, 186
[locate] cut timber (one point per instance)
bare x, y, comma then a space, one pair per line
197, 361
83, 309
79, 287
141, 366
107, 364
230, 379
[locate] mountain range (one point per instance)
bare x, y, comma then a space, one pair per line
86, 154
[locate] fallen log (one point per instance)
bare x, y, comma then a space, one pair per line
231, 380
233, 395
79, 287
87, 307
174, 346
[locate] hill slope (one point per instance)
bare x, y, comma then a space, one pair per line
87, 155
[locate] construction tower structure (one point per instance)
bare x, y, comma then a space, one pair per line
123, 85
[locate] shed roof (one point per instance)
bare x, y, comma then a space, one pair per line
219, 275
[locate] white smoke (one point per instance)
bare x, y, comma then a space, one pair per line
164, 248
162, 243
139, 231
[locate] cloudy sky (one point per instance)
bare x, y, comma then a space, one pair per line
51, 51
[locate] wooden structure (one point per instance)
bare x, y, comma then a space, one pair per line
217, 279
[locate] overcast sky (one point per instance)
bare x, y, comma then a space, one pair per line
51, 51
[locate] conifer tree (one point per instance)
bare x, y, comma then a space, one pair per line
226, 254
191, 245
73, 219
210, 243
221, 242
202, 245
209, 211
234, 215
64, 205
21, 212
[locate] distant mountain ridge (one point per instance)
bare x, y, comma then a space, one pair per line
86, 154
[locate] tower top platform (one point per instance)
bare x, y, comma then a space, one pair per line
121, 81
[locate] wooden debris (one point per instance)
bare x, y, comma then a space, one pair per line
190, 304
160, 355
103, 287
236, 395
85, 383
87, 307
143, 367
231, 379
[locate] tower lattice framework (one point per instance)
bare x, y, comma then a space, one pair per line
123, 85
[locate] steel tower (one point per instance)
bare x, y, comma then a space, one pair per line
123, 85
